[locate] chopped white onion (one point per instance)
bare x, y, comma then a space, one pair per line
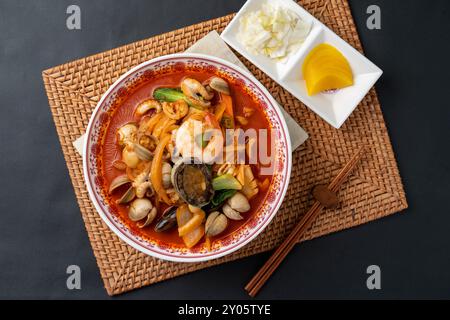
273, 31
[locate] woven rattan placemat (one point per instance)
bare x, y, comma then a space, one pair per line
374, 191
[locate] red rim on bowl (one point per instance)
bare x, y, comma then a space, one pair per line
251, 229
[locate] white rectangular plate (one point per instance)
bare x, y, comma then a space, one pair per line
335, 107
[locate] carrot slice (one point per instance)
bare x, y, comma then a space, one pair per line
228, 101
156, 170
192, 224
218, 112
224, 113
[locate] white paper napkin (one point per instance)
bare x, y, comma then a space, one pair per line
213, 45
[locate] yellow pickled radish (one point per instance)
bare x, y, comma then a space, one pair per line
321, 51
323, 62
325, 68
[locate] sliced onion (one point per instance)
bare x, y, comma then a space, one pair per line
274, 31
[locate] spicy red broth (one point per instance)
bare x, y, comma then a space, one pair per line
124, 113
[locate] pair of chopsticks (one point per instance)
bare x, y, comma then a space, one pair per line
258, 281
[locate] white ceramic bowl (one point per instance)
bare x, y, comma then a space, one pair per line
253, 226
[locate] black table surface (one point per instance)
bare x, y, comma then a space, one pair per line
41, 230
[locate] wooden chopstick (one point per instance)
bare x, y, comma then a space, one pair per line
257, 282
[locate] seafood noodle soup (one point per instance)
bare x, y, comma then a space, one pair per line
177, 163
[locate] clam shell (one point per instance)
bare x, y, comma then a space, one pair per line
139, 209
128, 196
150, 217
231, 213
239, 202
219, 85
118, 182
216, 223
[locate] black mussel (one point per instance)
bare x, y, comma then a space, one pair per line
168, 220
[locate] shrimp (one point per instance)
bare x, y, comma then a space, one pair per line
202, 140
